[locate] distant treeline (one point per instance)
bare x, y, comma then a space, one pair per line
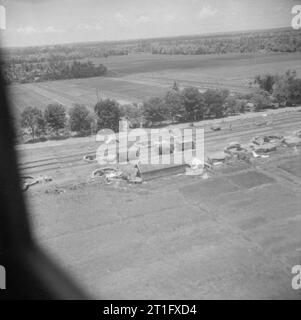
274, 40
62, 52
54, 69
55, 62
252, 42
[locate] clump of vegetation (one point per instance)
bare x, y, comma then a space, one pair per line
174, 104
80, 120
33, 120
108, 114
155, 110
54, 69
55, 117
266, 82
215, 102
287, 89
194, 104
261, 100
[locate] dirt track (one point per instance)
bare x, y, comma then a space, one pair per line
235, 235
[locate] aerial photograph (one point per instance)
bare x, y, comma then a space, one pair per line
150, 150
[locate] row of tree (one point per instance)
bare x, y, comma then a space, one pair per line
186, 105
57, 122
40, 123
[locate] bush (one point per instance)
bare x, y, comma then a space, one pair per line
266, 82
260, 100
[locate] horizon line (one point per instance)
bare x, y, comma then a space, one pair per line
147, 38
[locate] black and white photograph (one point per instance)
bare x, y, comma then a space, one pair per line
150, 150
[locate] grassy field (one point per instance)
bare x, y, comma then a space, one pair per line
135, 78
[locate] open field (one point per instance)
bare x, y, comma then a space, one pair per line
233, 236
137, 77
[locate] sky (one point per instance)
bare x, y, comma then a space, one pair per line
40, 22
